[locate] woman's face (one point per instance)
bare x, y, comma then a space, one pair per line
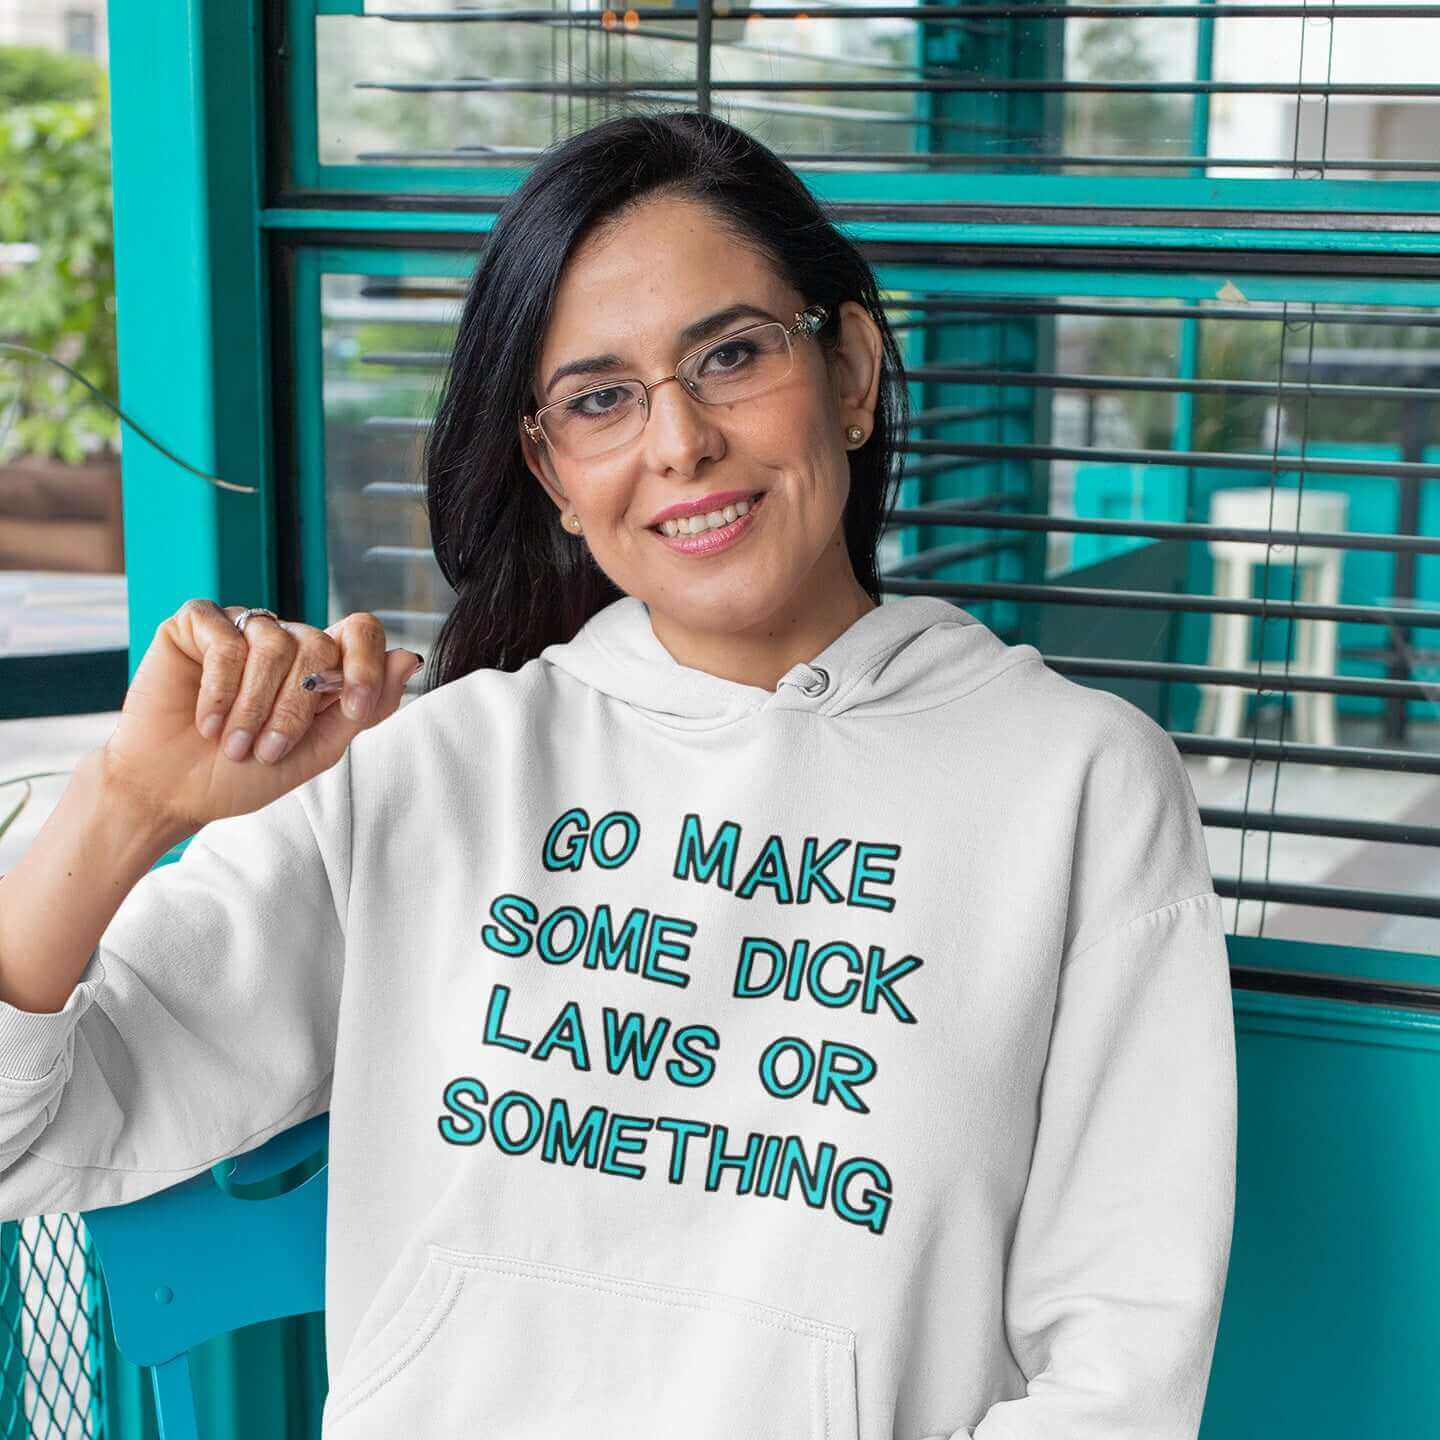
629, 292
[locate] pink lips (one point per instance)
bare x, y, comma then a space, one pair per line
707, 542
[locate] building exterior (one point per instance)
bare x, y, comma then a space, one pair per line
77, 26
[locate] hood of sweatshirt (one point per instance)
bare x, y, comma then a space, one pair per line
909, 653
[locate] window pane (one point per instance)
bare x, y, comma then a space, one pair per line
384, 342
1183, 94
80, 32
1211, 404
1043, 404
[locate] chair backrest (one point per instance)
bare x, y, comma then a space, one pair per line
1256, 507
202, 1258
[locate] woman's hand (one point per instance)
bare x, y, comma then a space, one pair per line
205, 687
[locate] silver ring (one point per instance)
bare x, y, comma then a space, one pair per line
244, 616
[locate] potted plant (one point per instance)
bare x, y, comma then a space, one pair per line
59, 446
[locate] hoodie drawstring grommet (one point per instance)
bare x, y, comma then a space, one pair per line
819, 683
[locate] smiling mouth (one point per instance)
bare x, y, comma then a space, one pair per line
728, 514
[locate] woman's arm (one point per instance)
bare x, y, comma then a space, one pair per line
1118, 1266
204, 1018
66, 888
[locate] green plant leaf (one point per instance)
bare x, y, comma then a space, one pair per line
56, 195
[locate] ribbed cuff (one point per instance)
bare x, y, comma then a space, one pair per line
32, 1041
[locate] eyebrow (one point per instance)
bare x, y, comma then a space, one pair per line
689, 337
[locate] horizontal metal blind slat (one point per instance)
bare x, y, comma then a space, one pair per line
1337, 897
1168, 601
1296, 752
1379, 831
956, 512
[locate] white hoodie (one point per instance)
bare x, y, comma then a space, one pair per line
848, 1061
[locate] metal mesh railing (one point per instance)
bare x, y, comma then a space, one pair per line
51, 1379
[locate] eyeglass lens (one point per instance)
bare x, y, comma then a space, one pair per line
736, 368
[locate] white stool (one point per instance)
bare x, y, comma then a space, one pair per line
1222, 710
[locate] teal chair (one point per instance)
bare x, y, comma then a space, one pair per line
206, 1257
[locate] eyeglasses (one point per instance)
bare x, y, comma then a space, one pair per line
739, 367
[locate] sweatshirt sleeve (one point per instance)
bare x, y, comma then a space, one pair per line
1117, 1267
204, 1021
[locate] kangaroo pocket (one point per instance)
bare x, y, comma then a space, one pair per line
491, 1346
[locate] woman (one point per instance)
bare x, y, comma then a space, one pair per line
744, 1009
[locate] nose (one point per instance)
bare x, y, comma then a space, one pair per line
650, 395
677, 429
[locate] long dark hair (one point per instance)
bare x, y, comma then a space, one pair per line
522, 582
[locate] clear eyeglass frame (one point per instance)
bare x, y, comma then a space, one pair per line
807, 322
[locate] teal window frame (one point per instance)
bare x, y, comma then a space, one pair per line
192, 289
304, 174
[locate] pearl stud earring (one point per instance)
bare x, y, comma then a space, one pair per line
854, 434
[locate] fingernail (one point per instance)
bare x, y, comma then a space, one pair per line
356, 703
272, 745
210, 726
237, 744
